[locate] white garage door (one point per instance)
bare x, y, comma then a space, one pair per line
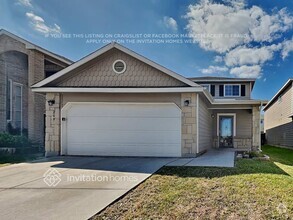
121, 129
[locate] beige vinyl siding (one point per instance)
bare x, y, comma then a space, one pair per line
217, 90
278, 125
277, 114
281, 135
205, 126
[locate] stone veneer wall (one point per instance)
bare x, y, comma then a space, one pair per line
243, 143
52, 139
189, 121
239, 143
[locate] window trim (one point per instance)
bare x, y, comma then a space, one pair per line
21, 107
11, 100
234, 115
239, 88
209, 85
113, 66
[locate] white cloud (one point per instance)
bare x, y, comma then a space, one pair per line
246, 71
287, 48
38, 23
230, 28
214, 69
27, 3
243, 55
218, 27
218, 59
170, 22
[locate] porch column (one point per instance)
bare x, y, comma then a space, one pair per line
52, 143
189, 122
256, 128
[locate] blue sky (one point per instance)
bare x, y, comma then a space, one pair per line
259, 53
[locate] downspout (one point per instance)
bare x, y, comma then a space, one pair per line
261, 104
197, 124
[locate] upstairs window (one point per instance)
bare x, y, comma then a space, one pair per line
232, 90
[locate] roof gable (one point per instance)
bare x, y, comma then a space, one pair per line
99, 73
65, 73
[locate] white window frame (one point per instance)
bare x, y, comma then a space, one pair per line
113, 66
11, 100
209, 86
239, 86
234, 122
21, 90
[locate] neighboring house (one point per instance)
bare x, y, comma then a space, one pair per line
21, 65
278, 117
115, 102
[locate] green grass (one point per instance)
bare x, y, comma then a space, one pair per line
281, 157
254, 189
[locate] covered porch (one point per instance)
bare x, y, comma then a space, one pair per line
237, 127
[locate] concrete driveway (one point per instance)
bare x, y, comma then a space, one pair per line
70, 187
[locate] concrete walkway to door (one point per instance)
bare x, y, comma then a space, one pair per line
212, 158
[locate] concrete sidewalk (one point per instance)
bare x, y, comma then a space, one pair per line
212, 158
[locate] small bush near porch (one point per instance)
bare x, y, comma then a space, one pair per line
17, 148
255, 189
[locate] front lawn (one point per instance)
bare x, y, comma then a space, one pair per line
253, 190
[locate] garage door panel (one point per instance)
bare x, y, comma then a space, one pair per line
120, 110
129, 150
109, 129
123, 137
106, 123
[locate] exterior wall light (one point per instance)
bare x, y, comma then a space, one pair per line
51, 102
186, 103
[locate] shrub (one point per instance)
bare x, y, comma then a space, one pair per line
14, 141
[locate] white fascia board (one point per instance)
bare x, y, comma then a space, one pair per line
118, 90
123, 49
239, 102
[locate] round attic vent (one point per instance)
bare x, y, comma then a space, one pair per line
119, 66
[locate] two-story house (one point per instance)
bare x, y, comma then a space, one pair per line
278, 119
115, 102
232, 125
22, 64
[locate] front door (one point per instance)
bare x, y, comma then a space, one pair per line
226, 131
